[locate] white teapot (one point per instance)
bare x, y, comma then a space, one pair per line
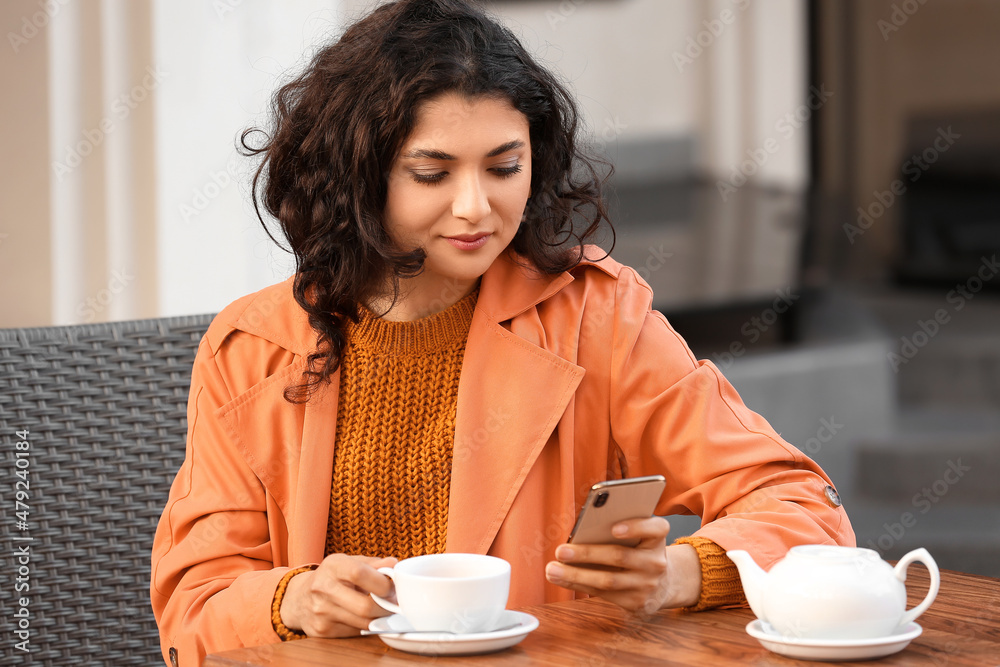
833, 592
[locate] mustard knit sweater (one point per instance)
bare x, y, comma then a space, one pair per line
395, 434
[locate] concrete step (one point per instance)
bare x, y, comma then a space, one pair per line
957, 371
932, 483
932, 453
944, 347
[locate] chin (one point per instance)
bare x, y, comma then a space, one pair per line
466, 268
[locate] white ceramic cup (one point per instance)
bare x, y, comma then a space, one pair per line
454, 592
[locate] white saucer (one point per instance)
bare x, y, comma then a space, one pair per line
428, 643
834, 649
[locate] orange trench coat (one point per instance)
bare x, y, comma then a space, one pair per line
566, 379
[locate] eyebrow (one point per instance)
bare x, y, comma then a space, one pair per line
434, 154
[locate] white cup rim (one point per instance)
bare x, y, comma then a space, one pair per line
496, 566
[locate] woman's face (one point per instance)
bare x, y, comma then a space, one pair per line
458, 189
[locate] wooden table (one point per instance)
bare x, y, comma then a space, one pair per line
962, 627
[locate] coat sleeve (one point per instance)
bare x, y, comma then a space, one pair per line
213, 578
680, 417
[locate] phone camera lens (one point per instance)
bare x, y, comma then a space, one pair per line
601, 499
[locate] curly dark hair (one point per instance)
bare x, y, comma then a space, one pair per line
337, 129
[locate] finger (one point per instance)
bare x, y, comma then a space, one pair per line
629, 599
336, 622
594, 581
608, 555
377, 562
648, 559
340, 604
649, 530
631, 591
359, 572
368, 579
345, 582
359, 603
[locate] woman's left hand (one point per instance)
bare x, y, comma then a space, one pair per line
644, 578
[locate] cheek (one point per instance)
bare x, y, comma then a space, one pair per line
409, 209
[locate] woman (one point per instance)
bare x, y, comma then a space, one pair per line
451, 367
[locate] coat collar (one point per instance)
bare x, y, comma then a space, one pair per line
509, 287
512, 285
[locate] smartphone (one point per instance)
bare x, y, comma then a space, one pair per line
613, 501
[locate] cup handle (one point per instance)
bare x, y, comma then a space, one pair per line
382, 602
919, 555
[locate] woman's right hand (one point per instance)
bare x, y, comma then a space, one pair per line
333, 600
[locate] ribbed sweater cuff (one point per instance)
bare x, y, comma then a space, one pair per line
720, 580
280, 628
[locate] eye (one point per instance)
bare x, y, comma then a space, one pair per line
507, 172
428, 179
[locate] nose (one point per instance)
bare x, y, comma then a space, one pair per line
471, 200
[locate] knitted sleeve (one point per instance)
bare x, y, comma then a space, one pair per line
720, 580
280, 628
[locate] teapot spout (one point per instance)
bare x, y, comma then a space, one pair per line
753, 578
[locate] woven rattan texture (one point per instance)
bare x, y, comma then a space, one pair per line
105, 408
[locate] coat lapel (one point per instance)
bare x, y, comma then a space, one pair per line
511, 396
290, 449
307, 541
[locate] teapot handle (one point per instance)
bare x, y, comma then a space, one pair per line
919, 555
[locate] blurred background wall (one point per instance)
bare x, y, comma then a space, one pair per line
123, 193
810, 186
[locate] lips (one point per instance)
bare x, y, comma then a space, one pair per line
469, 241
468, 238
